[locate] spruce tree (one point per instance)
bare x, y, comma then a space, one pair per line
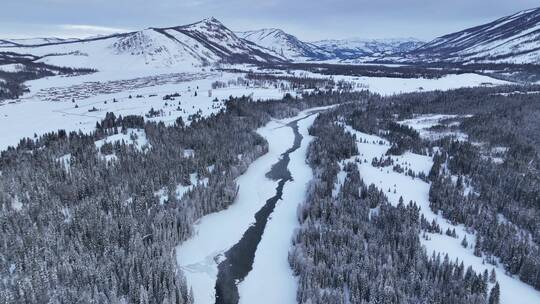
492, 276
494, 295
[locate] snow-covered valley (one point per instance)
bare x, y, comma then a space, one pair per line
173, 161
165, 95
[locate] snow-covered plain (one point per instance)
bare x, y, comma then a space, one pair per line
38, 112
390, 86
12, 67
396, 185
35, 113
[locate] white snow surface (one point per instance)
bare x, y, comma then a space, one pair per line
65, 161
16, 204
215, 233
12, 67
49, 107
390, 86
181, 190
512, 289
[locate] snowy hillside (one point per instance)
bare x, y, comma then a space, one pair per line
286, 45
200, 44
217, 38
512, 39
350, 49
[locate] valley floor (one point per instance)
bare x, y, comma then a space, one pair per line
77, 103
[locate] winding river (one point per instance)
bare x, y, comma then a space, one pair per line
239, 258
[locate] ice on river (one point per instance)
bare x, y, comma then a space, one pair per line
214, 234
272, 280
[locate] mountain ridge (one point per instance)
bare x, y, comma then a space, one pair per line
510, 39
357, 48
198, 44
286, 45
295, 49
514, 39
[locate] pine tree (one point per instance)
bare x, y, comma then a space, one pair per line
477, 247
492, 276
494, 295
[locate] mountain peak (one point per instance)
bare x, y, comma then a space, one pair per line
208, 22
265, 33
271, 30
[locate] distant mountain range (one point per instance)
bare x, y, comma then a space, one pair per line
512, 39
294, 49
195, 45
358, 49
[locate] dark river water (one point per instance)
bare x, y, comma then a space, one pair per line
238, 260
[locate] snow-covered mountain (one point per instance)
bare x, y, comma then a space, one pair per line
354, 49
296, 50
194, 45
512, 39
286, 45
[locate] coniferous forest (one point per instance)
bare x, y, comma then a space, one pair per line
93, 230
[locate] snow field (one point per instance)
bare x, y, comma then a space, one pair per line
390, 86
33, 115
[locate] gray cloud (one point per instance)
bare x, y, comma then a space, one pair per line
308, 19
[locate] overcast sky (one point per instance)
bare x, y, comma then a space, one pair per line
307, 19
